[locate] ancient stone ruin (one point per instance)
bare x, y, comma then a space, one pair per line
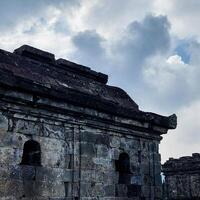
182, 177
66, 134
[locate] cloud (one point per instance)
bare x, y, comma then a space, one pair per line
185, 139
43, 24
182, 49
184, 16
89, 49
144, 39
110, 17
172, 80
89, 43
14, 12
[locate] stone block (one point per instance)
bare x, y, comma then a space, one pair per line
53, 131
121, 190
195, 185
84, 162
158, 192
17, 140
88, 175
106, 177
146, 191
88, 149
4, 137
134, 190
103, 151
103, 139
3, 125
145, 168
104, 164
93, 137
136, 180
115, 142
11, 187
9, 155
158, 181
109, 190
28, 172
52, 144
27, 127
52, 174
114, 153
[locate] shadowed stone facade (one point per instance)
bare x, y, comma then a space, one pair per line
66, 134
182, 178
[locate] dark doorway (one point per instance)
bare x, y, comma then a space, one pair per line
31, 153
125, 187
123, 167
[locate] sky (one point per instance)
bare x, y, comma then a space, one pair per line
150, 48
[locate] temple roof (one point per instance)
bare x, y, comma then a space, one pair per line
182, 164
35, 71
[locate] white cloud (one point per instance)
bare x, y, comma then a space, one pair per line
172, 80
16, 12
41, 30
175, 60
184, 16
109, 18
162, 74
185, 139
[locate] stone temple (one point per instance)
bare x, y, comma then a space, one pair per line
65, 134
182, 178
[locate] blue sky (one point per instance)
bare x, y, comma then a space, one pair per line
150, 48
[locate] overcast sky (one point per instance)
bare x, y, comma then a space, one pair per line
150, 48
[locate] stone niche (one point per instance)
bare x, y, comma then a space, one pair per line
66, 134
182, 177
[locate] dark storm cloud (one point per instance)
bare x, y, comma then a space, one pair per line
12, 11
89, 48
144, 39
89, 42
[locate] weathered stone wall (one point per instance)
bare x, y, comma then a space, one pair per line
66, 134
182, 178
77, 159
99, 152
25, 181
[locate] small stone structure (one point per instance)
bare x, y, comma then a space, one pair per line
66, 134
182, 177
